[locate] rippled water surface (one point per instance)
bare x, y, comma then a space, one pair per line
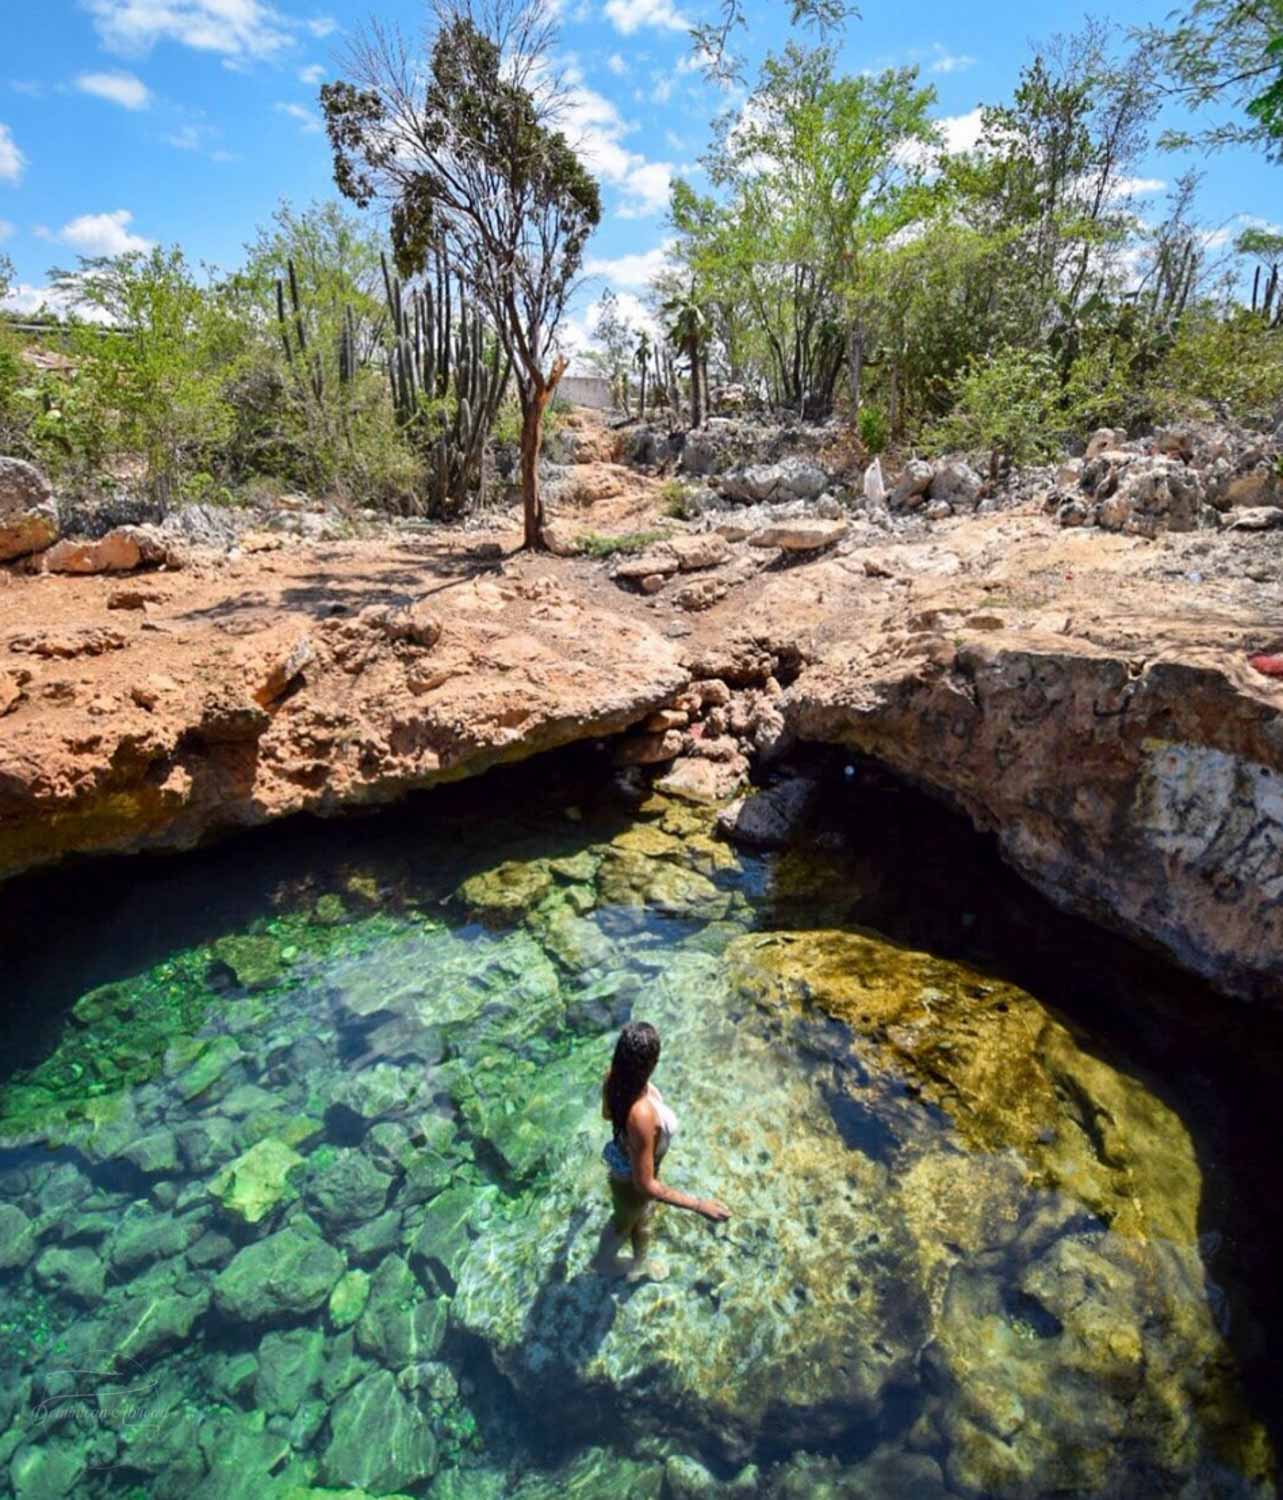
300, 1179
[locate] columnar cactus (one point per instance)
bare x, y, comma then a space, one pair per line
445, 389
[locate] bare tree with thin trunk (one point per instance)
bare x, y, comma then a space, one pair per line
463, 145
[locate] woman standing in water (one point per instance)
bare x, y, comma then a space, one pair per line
644, 1127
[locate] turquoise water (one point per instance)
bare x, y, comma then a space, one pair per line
300, 1180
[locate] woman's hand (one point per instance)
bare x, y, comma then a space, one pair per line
713, 1211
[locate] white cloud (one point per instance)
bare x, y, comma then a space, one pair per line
7, 230
647, 185
235, 29
306, 119
950, 62
617, 65
223, 156
961, 132
311, 75
638, 269
628, 16
27, 300
662, 92
12, 161
322, 26
103, 234
120, 88
1133, 187
595, 128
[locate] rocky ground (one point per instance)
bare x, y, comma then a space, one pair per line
1108, 702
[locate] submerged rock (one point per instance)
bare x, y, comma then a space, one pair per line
254, 1184
289, 1272
378, 1441
769, 819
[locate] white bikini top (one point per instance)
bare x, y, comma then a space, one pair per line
667, 1122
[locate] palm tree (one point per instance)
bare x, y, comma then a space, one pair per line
643, 364
689, 331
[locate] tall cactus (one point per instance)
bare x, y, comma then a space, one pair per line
303, 359
444, 389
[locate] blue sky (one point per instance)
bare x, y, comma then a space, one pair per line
125, 122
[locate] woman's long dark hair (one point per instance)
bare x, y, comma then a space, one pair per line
636, 1053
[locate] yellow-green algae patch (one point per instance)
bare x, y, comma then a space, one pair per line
1005, 1070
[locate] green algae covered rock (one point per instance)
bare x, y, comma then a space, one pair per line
17, 1238
208, 1064
347, 1300
288, 1273
255, 963
289, 1368
378, 1440
597, 1474
348, 1191
398, 1327
509, 890
250, 1187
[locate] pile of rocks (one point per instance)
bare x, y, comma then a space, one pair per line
708, 733
724, 444
943, 487
1180, 479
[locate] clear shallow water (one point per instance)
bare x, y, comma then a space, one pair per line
300, 1178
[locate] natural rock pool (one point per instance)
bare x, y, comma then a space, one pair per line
300, 1176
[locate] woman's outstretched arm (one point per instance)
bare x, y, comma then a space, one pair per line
641, 1153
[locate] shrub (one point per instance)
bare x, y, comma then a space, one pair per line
678, 500
593, 544
872, 424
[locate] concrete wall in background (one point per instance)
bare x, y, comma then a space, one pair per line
586, 390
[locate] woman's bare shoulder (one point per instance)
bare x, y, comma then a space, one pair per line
643, 1112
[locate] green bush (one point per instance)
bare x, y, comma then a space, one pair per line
1235, 363
678, 500
872, 424
593, 544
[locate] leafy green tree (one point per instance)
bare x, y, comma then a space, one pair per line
813, 174
153, 382
1226, 52
463, 146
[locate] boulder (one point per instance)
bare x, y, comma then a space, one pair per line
957, 482
1103, 439
28, 514
912, 485
349, 1191
708, 782
648, 749
799, 536
1254, 518
379, 1442
661, 560
117, 552
705, 452
287, 1274
250, 1187
769, 819
789, 479
77, 1274
706, 550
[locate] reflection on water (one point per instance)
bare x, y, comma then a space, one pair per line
300, 1177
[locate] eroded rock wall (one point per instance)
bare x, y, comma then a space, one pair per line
1145, 793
